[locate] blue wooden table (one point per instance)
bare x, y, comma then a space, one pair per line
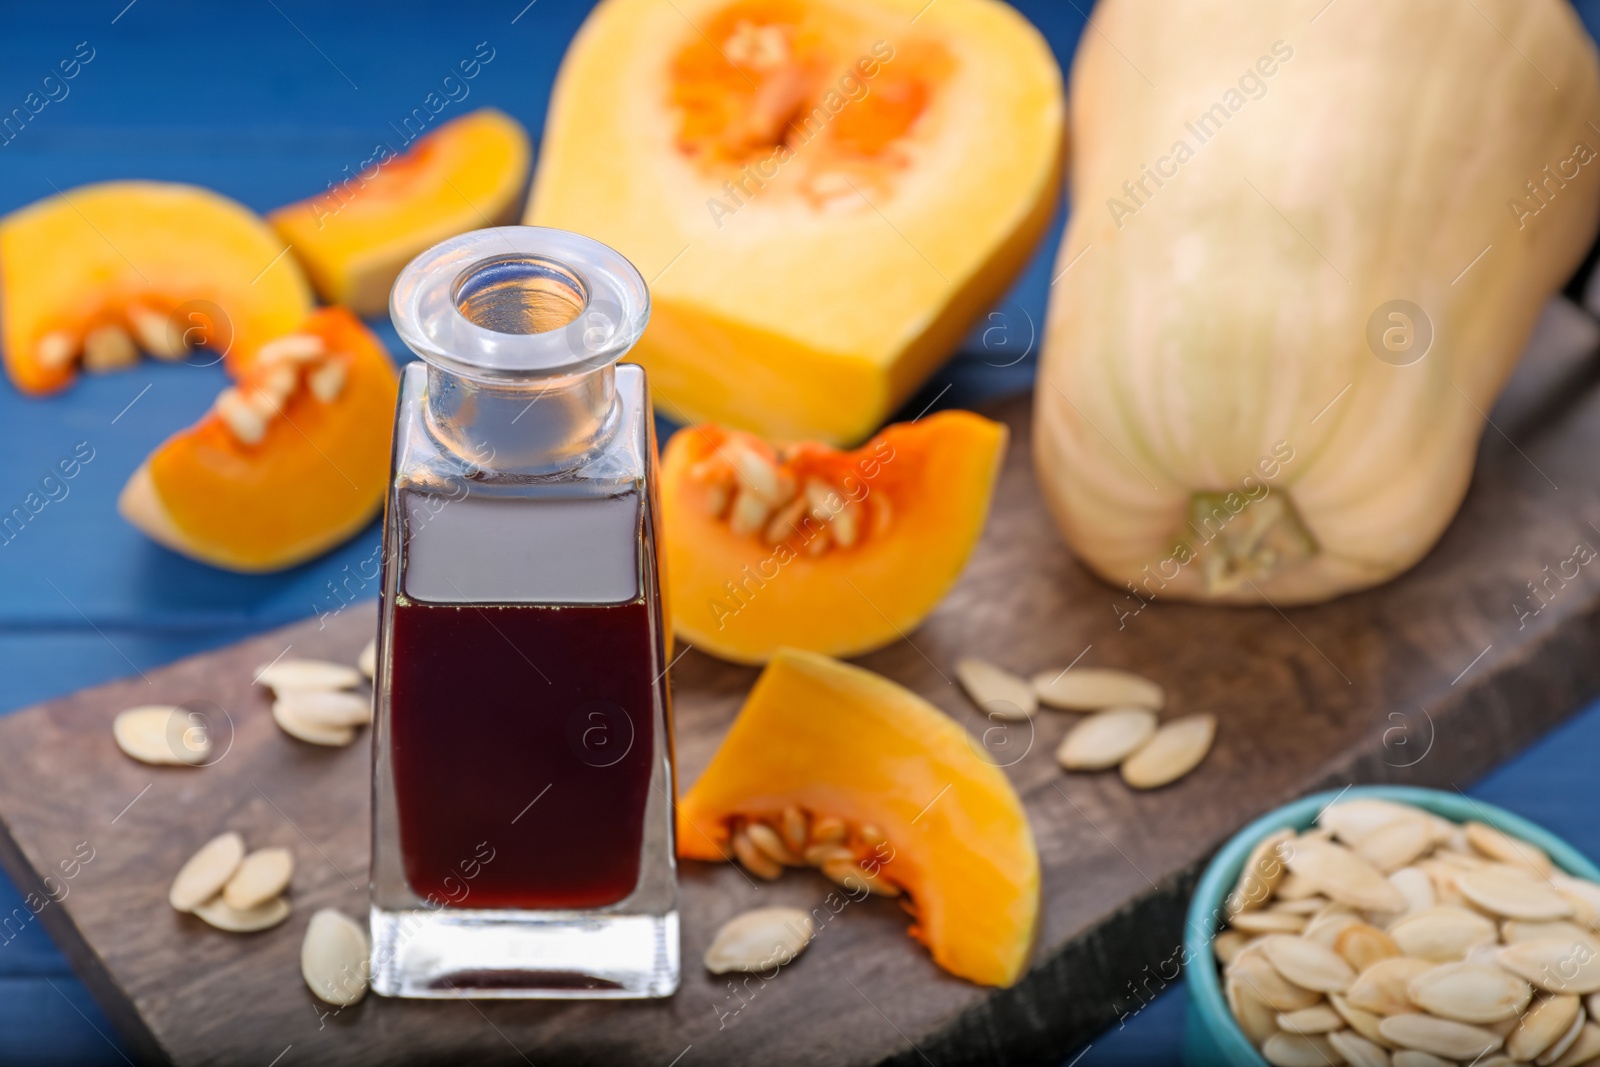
268, 101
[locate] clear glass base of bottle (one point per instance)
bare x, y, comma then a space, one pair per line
523, 955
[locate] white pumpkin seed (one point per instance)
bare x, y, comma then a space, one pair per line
1255, 1018
1584, 896
1357, 1050
758, 940
260, 876
995, 690
1556, 964
207, 871
299, 674
1091, 689
1410, 1057
1381, 988
1550, 1018
1352, 821
1585, 1050
1317, 1020
1396, 845
1176, 749
1308, 964
1308, 907
327, 707
1470, 993
1362, 1022
1269, 922
217, 913
1415, 885
161, 734
367, 662
1342, 875
1297, 1050
1228, 944
1562, 1045
1292, 886
1442, 933
1513, 893
1267, 985
1326, 927
1362, 945
1514, 930
1442, 1037
285, 714
1105, 739
1501, 846
335, 958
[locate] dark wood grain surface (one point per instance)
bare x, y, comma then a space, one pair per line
1428, 680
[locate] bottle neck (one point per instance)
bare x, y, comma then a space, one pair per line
541, 426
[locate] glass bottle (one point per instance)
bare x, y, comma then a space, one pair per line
523, 764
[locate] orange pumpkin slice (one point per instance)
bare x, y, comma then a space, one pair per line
820, 743
289, 462
814, 548
355, 238
98, 272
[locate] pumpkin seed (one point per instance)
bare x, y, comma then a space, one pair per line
758, 940
1320, 1019
1410, 1057
1556, 964
1358, 1051
290, 348
1515, 930
1308, 964
996, 691
767, 840
335, 958
218, 913
1549, 1019
1293, 886
817, 855
1297, 1050
829, 829
1461, 861
55, 350
156, 733
1352, 821
1362, 1022
285, 712
1252, 968
1362, 945
1382, 988
300, 674
1501, 846
260, 876
1342, 875
1584, 1050
1269, 922
1105, 739
107, 348
207, 871
327, 707
1415, 885
1396, 845
1470, 993
327, 381
367, 662
1091, 689
1442, 1037
243, 420
850, 874
1254, 1016
1308, 907
1325, 928
759, 474
1442, 933
1563, 1044
1512, 893
1176, 749
795, 829
752, 858
1584, 896
1228, 944
154, 334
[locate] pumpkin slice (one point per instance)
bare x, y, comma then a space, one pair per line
835, 552
289, 462
824, 194
100, 271
926, 813
355, 238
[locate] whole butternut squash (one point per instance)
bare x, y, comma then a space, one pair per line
1309, 241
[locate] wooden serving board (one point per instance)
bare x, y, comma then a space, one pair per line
1428, 680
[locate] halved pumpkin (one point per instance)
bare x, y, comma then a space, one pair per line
355, 238
824, 193
927, 815
810, 547
288, 463
96, 271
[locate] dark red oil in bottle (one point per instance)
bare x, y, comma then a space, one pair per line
522, 751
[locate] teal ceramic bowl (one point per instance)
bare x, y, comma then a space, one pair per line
1211, 1038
